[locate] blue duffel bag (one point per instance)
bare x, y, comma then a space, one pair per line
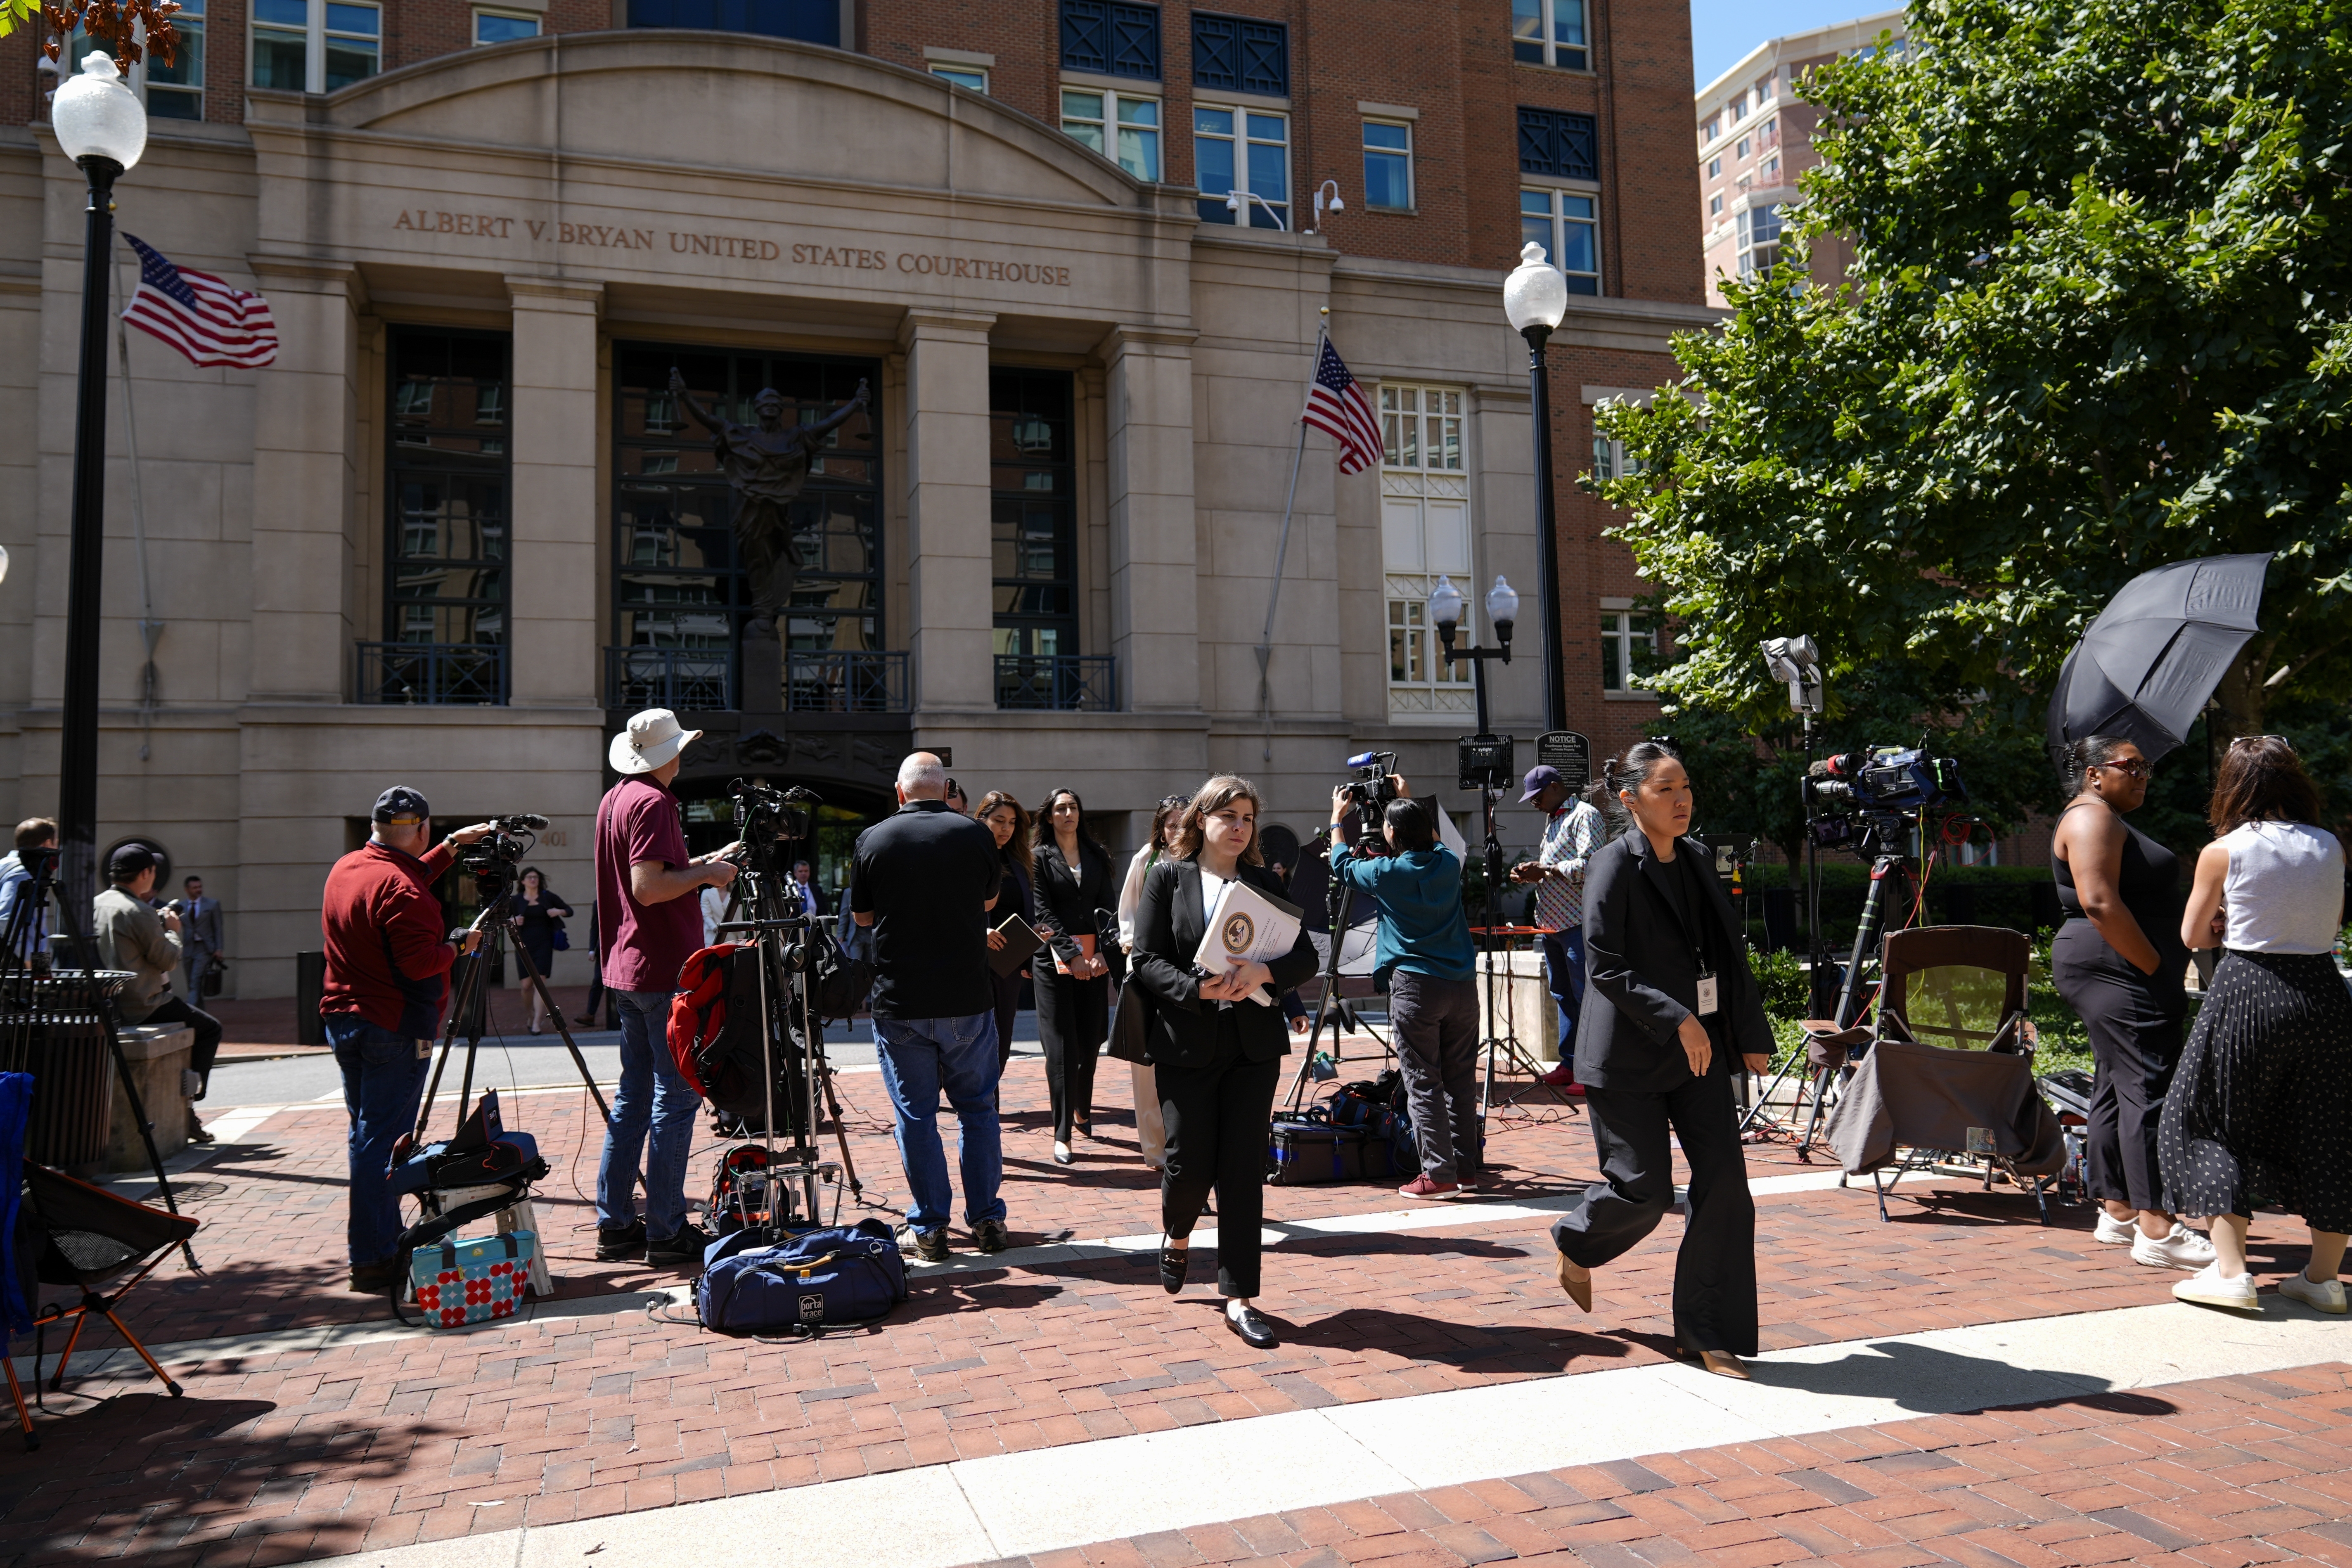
831, 1277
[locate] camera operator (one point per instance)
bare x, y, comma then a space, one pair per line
388, 961
1573, 829
133, 934
36, 835
650, 927
1424, 958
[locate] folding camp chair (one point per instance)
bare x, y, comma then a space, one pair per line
99, 1244
1947, 1068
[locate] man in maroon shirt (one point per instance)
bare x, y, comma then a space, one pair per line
647, 927
388, 959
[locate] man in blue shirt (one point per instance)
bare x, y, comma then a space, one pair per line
1424, 958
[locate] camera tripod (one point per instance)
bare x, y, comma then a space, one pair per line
22, 1018
1338, 896
471, 1014
1506, 1044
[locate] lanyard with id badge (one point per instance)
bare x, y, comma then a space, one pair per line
1710, 985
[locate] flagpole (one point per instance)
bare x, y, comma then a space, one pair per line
1282, 554
150, 629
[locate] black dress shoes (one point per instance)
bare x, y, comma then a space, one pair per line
1253, 1327
1175, 1262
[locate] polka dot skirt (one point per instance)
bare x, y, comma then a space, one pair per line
2259, 1114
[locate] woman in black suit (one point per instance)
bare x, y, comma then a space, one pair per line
1072, 974
1215, 1053
1002, 815
1669, 1002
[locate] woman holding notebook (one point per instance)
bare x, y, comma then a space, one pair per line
1073, 976
1216, 1048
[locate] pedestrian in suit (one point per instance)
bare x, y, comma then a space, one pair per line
200, 936
812, 896
1071, 973
1004, 817
1216, 1055
1669, 1003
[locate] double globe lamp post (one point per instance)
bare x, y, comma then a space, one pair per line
99, 124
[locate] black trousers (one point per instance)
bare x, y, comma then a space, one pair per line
1073, 1020
2135, 1046
1217, 1120
1434, 1022
1715, 1271
1004, 991
173, 1010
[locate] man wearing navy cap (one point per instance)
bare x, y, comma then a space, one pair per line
388, 957
1573, 829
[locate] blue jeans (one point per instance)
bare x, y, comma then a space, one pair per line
921, 1057
1564, 977
383, 1078
654, 1098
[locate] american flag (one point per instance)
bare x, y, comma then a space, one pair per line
198, 314
1337, 404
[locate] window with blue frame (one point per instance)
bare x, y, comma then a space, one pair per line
809, 21
1108, 38
1557, 142
1241, 54
1388, 165
1567, 224
1246, 150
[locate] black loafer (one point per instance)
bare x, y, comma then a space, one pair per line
1175, 1262
1251, 1326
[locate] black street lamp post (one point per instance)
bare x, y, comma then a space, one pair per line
100, 125
1535, 298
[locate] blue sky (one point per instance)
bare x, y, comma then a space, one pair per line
1723, 30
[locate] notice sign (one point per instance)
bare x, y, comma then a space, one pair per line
1570, 754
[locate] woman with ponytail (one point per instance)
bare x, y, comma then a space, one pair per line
1669, 1002
2117, 960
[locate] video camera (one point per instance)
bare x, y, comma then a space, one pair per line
1373, 787
768, 818
1866, 794
491, 860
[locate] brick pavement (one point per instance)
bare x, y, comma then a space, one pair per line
2221, 1473
281, 1456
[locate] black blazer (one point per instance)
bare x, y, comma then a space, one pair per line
1641, 979
1068, 899
1168, 926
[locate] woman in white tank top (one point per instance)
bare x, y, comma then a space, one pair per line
2260, 1111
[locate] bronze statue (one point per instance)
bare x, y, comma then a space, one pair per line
766, 466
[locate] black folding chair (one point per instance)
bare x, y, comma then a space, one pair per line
101, 1244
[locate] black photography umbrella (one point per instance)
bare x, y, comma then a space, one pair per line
2146, 667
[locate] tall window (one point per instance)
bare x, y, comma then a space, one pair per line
1610, 460
177, 92
1242, 150
1108, 38
1759, 240
1764, 89
1768, 135
1629, 649
677, 577
504, 27
1032, 516
315, 45
1425, 533
1241, 54
972, 77
1548, 33
1714, 166
1568, 226
447, 483
1388, 165
1121, 127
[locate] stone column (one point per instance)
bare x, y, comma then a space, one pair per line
551, 637
1154, 582
948, 509
306, 466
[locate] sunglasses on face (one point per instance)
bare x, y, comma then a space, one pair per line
1176, 800
2131, 767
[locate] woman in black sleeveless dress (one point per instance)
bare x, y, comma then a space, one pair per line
2118, 963
539, 915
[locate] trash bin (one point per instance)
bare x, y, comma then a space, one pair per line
309, 990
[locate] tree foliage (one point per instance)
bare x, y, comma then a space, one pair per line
2099, 318
128, 30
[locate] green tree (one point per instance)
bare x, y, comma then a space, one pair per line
2099, 318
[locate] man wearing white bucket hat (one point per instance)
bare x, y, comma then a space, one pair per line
648, 926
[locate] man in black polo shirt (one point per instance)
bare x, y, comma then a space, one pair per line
924, 880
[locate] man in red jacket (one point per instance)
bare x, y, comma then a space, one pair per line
388, 959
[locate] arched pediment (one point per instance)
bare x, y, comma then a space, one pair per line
734, 101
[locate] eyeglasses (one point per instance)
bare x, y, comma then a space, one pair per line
2258, 740
2131, 767
1167, 801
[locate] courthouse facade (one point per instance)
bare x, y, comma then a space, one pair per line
461, 527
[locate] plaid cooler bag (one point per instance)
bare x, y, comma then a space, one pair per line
460, 1282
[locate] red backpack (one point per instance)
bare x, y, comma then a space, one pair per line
711, 986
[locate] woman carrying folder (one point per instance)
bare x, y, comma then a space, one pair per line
1002, 815
1216, 1052
1073, 977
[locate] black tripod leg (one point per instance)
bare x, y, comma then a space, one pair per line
841, 1133
539, 984
146, 1131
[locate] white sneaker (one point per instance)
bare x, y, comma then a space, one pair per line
2183, 1249
2113, 1231
2325, 1296
2207, 1287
